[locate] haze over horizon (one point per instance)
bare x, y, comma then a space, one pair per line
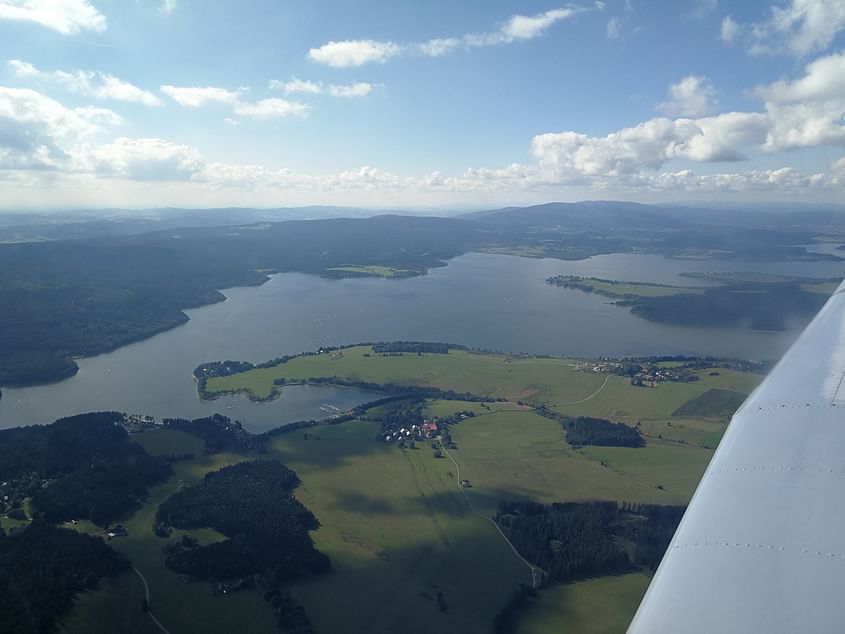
177, 103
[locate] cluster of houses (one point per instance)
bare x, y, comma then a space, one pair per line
599, 367
117, 531
134, 423
428, 429
640, 374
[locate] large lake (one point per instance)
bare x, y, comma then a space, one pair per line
481, 300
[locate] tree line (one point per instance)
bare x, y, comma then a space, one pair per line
577, 540
81, 467
586, 430
251, 504
580, 540
42, 568
219, 433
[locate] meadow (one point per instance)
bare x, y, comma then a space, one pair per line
371, 271
620, 289
397, 527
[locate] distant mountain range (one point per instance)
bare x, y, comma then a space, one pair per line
76, 224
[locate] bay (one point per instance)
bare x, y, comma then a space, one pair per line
486, 301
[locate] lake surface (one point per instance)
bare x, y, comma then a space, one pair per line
487, 301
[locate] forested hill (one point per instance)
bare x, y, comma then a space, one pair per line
82, 297
69, 298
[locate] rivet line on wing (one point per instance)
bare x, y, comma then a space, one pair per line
769, 468
782, 406
761, 547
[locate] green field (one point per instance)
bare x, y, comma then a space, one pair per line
714, 402
826, 287
523, 251
373, 271
583, 606
394, 523
620, 289
552, 381
397, 530
180, 606
115, 608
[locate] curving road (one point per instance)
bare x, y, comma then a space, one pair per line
149, 608
536, 572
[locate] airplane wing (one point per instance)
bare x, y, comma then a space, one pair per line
761, 547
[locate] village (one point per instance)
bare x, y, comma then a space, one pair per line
427, 430
640, 373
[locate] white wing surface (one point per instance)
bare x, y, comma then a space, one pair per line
761, 547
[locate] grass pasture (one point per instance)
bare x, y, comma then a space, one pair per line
595, 606
689, 431
523, 456
613, 288
394, 523
669, 470
114, 608
398, 531
373, 271
715, 402
514, 378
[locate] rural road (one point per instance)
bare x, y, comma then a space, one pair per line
535, 571
584, 400
147, 595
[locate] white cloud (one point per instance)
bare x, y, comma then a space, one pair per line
105, 86
804, 112
68, 17
804, 125
614, 28
271, 108
801, 27
808, 111
693, 96
168, 6
361, 89
100, 116
779, 181
198, 96
354, 53
524, 27
90, 83
837, 172
146, 160
649, 145
824, 79
295, 85
24, 69
348, 53
440, 46
36, 131
729, 30
516, 28
515, 178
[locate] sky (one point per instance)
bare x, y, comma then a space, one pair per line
375, 103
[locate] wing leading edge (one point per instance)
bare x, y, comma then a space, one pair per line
761, 547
